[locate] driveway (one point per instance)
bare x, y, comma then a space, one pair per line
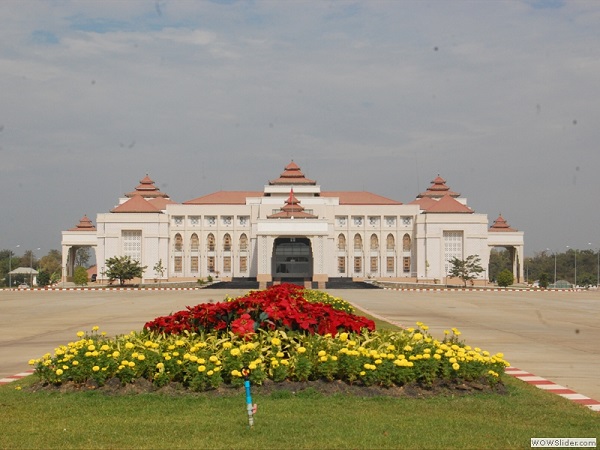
554, 335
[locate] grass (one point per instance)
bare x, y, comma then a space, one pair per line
306, 420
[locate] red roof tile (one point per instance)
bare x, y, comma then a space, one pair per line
136, 204
447, 204
161, 202
501, 225
424, 202
224, 198
360, 198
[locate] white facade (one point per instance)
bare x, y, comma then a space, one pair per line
292, 229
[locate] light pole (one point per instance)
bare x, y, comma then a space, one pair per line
10, 267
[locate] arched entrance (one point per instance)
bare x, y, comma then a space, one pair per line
292, 258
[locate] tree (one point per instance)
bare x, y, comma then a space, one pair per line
159, 270
43, 278
123, 268
505, 278
82, 256
466, 269
543, 281
51, 264
80, 276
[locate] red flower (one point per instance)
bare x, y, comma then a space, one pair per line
242, 326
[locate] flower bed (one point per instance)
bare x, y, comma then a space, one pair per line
272, 334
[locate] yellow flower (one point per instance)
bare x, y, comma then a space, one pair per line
104, 348
75, 363
301, 350
210, 372
455, 366
322, 353
323, 358
213, 358
59, 372
32, 362
80, 334
276, 341
235, 352
201, 368
116, 354
227, 345
279, 354
141, 357
95, 328
148, 344
179, 343
160, 366
343, 337
129, 345
131, 364
252, 366
95, 368
417, 337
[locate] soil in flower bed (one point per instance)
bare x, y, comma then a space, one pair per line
411, 390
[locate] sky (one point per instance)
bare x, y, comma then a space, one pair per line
499, 98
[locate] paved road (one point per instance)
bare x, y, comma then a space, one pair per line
553, 335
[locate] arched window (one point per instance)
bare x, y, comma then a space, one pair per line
227, 242
341, 242
210, 242
406, 243
357, 242
194, 243
243, 242
374, 242
390, 242
178, 243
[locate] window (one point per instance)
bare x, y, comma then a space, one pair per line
374, 264
195, 220
341, 264
227, 264
210, 242
390, 242
374, 242
453, 247
341, 221
194, 243
406, 264
373, 221
243, 264
406, 243
194, 264
227, 243
341, 242
357, 242
243, 220
390, 221
178, 220
211, 221
406, 220
132, 244
357, 264
227, 220
211, 264
178, 244
390, 264
358, 221
178, 264
243, 242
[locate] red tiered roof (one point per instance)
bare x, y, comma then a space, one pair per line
501, 225
438, 189
292, 175
292, 209
136, 204
448, 205
85, 224
146, 189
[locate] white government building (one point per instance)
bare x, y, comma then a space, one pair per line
293, 230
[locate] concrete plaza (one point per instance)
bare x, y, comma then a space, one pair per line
554, 335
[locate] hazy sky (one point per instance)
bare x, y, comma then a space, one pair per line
501, 98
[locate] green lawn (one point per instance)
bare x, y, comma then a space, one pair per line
284, 420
